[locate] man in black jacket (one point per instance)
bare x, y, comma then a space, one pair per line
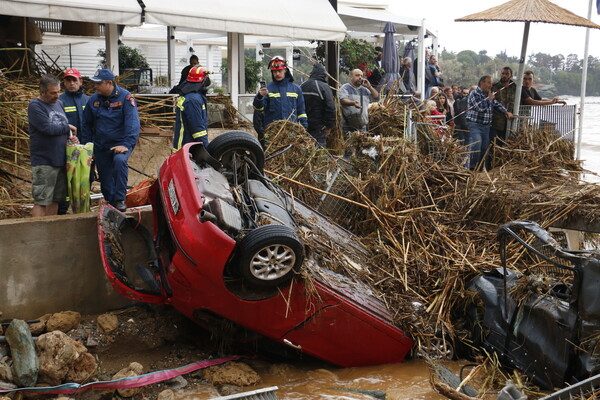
320, 108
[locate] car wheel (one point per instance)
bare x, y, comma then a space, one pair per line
269, 255
231, 147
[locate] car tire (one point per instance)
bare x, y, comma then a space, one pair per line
227, 144
269, 256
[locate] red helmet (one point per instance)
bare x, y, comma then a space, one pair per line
277, 63
197, 74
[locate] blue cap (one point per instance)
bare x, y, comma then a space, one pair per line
103, 75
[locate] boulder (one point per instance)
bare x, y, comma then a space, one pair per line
63, 321
26, 364
134, 369
231, 373
37, 328
166, 395
62, 359
108, 323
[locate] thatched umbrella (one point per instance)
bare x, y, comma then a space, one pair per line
528, 11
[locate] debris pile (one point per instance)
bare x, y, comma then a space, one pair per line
429, 223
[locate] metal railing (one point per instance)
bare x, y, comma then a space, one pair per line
559, 118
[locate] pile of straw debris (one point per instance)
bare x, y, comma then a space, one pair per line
429, 223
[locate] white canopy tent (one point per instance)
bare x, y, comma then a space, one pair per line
123, 12
309, 19
109, 12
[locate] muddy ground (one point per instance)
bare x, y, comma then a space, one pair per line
159, 338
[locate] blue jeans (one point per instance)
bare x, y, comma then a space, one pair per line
477, 142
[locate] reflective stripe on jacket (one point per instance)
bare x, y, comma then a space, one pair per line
74, 104
191, 121
283, 102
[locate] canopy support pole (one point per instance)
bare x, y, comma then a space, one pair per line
421, 61
173, 78
111, 39
519, 80
235, 65
583, 83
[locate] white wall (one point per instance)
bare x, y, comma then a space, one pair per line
84, 52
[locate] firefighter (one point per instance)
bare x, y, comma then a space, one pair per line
191, 121
281, 99
112, 123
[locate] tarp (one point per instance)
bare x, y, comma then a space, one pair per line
124, 12
124, 383
308, 19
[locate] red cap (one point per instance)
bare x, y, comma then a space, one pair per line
72, 72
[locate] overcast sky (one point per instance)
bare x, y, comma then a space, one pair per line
498, 36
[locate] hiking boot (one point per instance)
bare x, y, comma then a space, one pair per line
120, 205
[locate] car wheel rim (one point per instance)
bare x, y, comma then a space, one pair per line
272, 262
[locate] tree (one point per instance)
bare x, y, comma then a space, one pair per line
129, 57
468, 58
252, 73
572, 63
483, 57
557, 62
354, 53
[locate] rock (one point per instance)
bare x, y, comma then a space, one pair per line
91, 342
228, 390
233, 373
5, 372
63, 321
26, 364
166, 395
177, 383
134, 369
37, 328
6, 386
62, 358
108, 323
82, 368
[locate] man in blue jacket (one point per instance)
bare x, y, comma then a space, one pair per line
49, 132
74, 101
112, 123
281, 99
191, 119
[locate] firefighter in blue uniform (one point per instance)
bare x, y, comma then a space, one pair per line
74, 101
282, 99
191, 120
112, 123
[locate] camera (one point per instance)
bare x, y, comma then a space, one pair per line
263, 84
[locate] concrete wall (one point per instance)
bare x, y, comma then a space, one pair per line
52, 264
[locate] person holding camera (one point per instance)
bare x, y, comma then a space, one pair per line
355, 97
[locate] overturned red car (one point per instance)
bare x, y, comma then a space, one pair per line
225, 246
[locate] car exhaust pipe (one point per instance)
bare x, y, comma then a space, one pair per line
206, 216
